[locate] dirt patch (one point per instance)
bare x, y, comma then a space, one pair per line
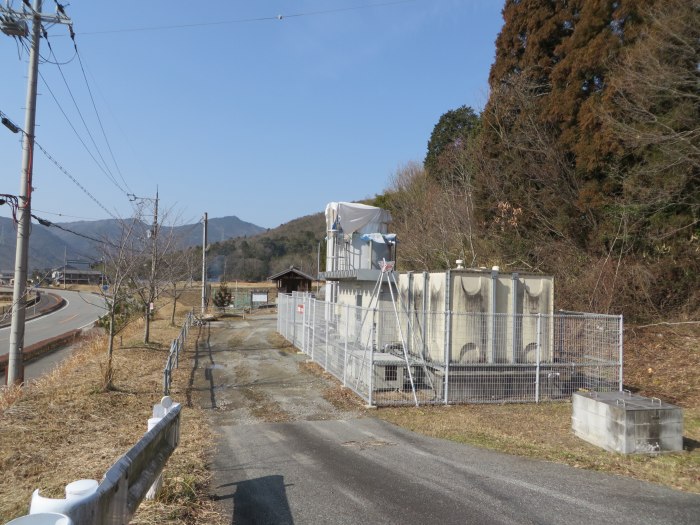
256, 376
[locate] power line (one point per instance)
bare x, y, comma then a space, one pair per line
65, 115
80, 114
87, 84
61, 9
66, 215
7, 122
75, 181
49, 224
246, 20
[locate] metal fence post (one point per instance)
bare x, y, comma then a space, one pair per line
325, 365
448, 344
294, 320
371, 359
620, 337
313, 330
303, 325
537, 357
345, 357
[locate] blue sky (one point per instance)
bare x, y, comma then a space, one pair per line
265, 119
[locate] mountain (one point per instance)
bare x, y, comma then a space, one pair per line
75, 240
255, 258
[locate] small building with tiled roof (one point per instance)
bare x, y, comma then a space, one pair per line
292, 280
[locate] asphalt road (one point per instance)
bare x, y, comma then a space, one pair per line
81, 310
285, 455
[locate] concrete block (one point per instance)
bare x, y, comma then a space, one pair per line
626, 423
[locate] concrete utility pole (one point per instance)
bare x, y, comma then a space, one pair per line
13, 23
204, 266
15, 367
152, 283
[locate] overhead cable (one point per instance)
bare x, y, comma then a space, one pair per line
107, 170
75, 181
256, 19
63, 170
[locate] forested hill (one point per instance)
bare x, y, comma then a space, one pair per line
48, 246
294, 243
585, 162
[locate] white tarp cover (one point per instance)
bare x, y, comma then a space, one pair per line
352, 217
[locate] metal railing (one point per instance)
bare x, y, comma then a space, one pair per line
393, 357
132, 478
173, 359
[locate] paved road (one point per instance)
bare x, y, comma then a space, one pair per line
81, 310
287, 456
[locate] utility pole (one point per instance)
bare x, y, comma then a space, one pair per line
152, 283
14, 23
204, 267
15, 368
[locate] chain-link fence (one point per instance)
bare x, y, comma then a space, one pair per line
393, 357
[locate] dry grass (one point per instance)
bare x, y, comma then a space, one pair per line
664, 361
64, 427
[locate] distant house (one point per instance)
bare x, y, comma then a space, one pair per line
69, 275
6, 277
292, 280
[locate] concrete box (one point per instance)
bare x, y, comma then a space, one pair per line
627, 423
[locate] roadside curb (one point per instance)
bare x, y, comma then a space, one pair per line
58, 302
37, 350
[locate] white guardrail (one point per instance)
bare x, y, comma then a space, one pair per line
114, 500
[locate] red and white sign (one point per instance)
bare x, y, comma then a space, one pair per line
386, 266
300, 308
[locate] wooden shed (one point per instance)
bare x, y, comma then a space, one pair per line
292, 280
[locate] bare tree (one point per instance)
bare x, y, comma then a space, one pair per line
179, 270
120, 256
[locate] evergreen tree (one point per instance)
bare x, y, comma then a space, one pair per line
454, 129
222, 297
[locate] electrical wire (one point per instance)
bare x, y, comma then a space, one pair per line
60, 167
257, 19
68, 216
87, 84
49, 224
75, 181
13, 202
80, 114
65, 115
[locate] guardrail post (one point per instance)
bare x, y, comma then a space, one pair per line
166, 380
159, 412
